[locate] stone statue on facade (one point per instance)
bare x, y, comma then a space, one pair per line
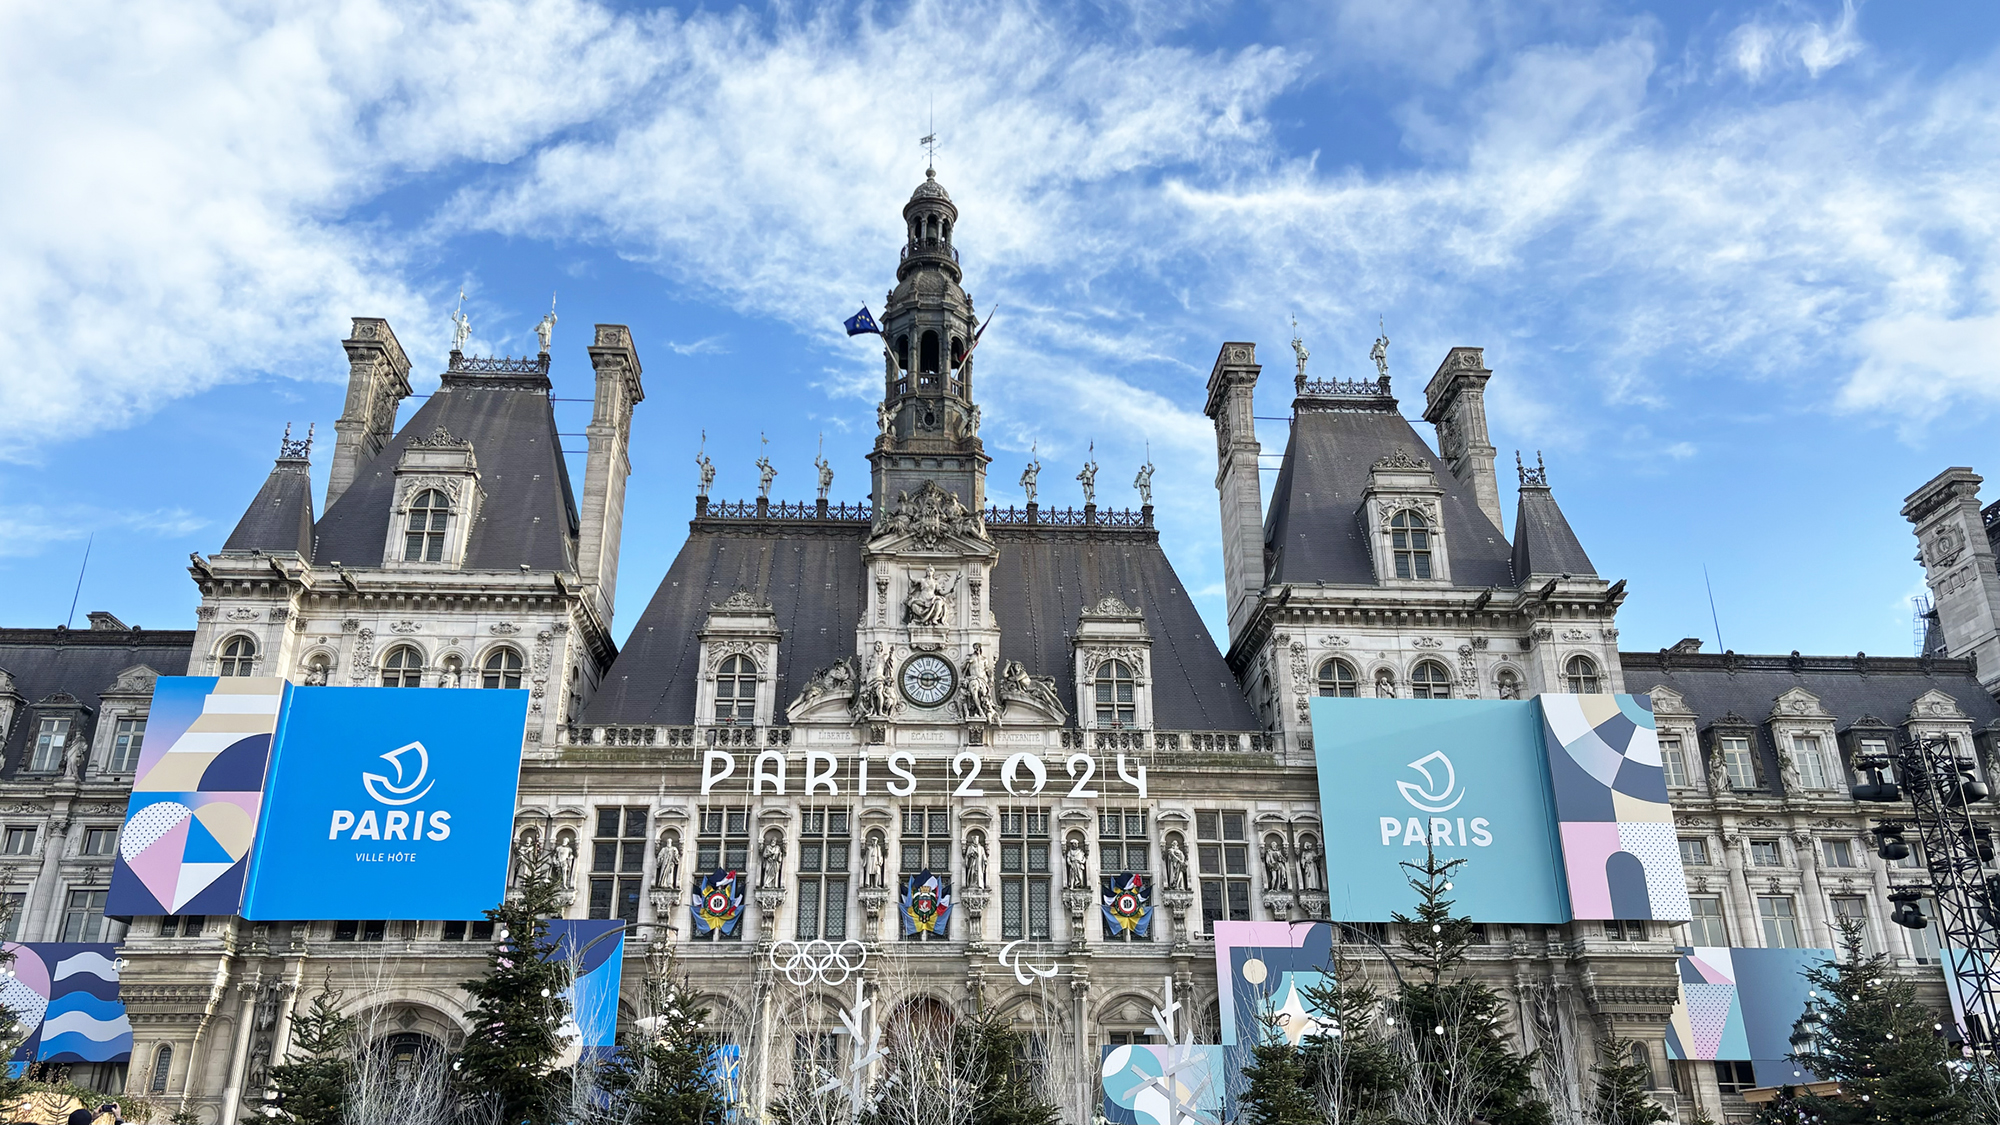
975, 861
877, 698
705, 467
929, 599
874, 860
1385, 684
1299, 351
883, 416
461, 325
565, 861
825, 475
667, 864
1177, 865
527, 857
771, 863
1311, 876
972, 421
1277, 865
977, 672
1029, 474
1038, 691
766, 473
1144, 483
546, 328
1380, 353
1088, 476
836, 680
1076, 862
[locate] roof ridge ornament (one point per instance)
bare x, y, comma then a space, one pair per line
289, 450
1401, 459
1538, 476
440, 438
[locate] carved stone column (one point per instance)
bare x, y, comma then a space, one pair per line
1077, 902
974, 899
1177, 903
1747, 926
769, 900
1815, 904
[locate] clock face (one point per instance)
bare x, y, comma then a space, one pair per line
928, 680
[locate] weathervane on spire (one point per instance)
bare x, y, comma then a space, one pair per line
1380, 352
930, 142
547, 327
461, 324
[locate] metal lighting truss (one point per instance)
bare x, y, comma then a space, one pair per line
1941, 786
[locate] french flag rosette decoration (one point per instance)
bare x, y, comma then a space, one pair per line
718, 904
926, 905
1128, 906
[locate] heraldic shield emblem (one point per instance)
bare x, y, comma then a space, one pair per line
1128, 906
926, 905
718, 904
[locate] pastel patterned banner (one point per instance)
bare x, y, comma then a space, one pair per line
595, 950
1127, 906
1266, 970
196, 796
1619, 850
66, 996
1739, 1004
1149, 1084
718, 904
926, 905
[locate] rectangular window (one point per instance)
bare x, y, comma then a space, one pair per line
1780, 920
83, 916
351, 930
1625, 931
1853, 908
1224, 850
1923, 943
467, 931
20, 841
1674, 761
824, 850
1024, 873
1876, 748
1129, 1038
1738, 762
1809, 762
1705, 921
1765, 853
926, 840
12, 903
50, 739
126, 744
1694, 851
618, 863
1122, 844
100, 841
1838, 853
723, 844
182, 925
1735, 1077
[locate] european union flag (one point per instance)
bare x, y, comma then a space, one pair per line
862, 322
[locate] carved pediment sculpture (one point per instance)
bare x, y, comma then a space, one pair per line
930, 517
830, 685
1036, 693
878, 698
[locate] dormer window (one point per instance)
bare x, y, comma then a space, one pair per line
423, 539
237, 656
502, 670
1338, 681
404, 667
1430, 680
1410, 539
1580, 674
51, 737
736, 690
1116, 699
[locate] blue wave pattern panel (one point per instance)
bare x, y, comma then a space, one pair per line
67, 995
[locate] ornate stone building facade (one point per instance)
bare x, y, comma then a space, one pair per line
836, 698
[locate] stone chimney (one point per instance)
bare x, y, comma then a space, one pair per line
1959, 568
1455, 402
609, 462
1232, 387
378, 379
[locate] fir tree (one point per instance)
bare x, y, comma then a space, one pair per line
666, 1074
1353, 1069
312, 1082
517, 1011
1885, 1048
1008, 1091
1464, 1064
1622, 1080
1278, 1090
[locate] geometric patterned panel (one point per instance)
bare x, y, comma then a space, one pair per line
1149, 1084
66, 994
1620, 856
196, 796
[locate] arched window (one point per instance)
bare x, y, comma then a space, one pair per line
423, 540
403, 668
928, 351
1337, 679
1509, 684
502, 670
1581, 675
1429, 680
1410, 539
903, 352
947, 231
736, 690
163, 1061
1115, 706
237, 656
957, 352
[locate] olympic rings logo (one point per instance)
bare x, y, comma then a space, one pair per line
826, 962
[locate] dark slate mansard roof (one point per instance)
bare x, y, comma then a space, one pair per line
1849, 687
1543, 541
1316, 531
280, 519
811, 574
528, 512
81, 663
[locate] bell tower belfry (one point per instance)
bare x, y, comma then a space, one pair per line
928, 419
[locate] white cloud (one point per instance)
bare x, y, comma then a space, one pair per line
1760, 47
179, 177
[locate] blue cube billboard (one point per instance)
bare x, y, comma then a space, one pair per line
289, 803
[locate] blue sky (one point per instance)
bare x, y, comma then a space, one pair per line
1735, 266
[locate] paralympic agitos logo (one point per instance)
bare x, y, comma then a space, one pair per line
412, 764
1438, 793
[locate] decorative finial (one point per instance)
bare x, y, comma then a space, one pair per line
1539, 475
461, 329
1380, 352
547, 327
289, 450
